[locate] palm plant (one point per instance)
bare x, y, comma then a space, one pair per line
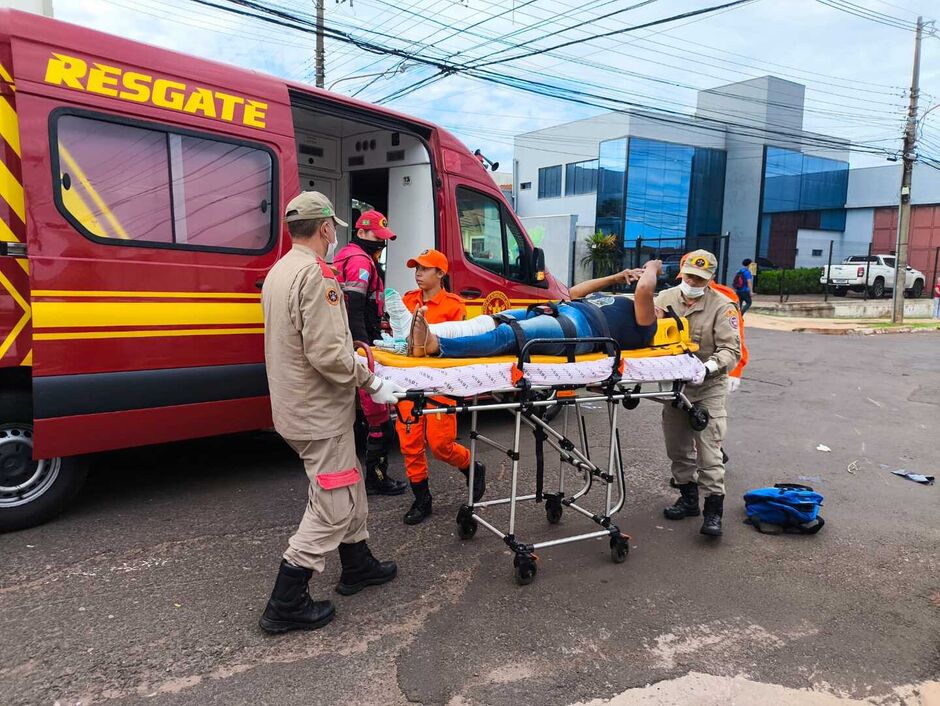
604, 254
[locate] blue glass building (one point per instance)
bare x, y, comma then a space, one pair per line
660, 197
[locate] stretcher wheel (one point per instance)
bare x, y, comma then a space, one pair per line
467, 529
466, 525
698, 417
619, 548
553, 510
525, 569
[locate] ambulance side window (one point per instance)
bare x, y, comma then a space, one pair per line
481, 230
144, 185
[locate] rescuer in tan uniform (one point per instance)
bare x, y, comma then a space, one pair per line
696, 456
312, 376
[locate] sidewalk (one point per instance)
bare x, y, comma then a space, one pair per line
849, 308
800, 324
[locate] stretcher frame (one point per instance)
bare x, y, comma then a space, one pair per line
528, 406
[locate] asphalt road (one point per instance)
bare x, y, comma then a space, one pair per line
151, 587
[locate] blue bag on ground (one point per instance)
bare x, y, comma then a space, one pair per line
786, 507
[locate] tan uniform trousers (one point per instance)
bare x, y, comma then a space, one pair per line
332, 516
696, 455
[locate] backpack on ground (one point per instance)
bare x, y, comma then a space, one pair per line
738, 282
786, 507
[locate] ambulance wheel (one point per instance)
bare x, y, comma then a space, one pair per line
466, 525
33, 492
619, 548
698, 417
525, 569
553, 511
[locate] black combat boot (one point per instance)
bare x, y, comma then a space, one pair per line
479, 479
290, 606
378, 482
686, 505
361, 569
421, 508
711, 520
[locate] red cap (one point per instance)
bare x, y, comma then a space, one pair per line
377, 223
430, 258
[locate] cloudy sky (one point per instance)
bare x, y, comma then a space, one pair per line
853, 56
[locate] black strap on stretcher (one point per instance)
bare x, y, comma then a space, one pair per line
568, 328
598, 322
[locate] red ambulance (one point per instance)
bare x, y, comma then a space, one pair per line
140, 200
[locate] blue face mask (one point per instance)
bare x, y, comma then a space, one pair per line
691, 292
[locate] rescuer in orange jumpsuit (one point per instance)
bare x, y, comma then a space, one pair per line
439, 431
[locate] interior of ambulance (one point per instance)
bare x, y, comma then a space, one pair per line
362, 165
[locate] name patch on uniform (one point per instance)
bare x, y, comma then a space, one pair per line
332, 296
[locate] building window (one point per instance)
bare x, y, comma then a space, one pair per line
129, 184
611, 173
800, 191
525, 186
550, 182
817, 253
581, 178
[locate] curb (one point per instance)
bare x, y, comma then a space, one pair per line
862, 331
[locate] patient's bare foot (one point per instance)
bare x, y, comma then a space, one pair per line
422, 342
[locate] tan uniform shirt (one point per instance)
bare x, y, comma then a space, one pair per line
713, 325
308, 351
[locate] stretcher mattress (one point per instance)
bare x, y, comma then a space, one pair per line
464, 377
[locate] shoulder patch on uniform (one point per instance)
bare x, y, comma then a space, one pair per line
332, 296
733, 321
325, 269
363, 274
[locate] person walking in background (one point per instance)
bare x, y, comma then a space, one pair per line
743, 284
936, 299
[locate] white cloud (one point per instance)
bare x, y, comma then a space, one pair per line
855, 70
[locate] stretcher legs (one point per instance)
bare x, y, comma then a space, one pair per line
527, 410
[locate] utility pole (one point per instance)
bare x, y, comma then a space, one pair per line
904, 213
321, 69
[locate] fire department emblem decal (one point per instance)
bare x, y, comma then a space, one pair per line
495, 302
332, 296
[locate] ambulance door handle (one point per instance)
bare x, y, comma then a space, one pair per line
470, 293
259, 283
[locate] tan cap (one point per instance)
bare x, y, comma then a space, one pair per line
308, 205
700, 263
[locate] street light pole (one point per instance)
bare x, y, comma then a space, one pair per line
904, 213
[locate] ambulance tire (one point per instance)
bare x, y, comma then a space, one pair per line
31, 492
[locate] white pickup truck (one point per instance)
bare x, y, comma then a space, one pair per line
875, 271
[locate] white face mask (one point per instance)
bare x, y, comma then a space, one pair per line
331, 247
691, 292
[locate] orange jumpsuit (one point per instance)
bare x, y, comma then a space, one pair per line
730, 294
439, 431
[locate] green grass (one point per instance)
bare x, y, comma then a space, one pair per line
906, 324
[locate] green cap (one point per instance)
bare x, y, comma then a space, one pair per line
309, 205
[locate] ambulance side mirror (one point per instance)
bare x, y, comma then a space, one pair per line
537, 266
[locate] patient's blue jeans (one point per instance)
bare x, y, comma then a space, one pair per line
502, 339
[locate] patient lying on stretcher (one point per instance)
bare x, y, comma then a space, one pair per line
631, 323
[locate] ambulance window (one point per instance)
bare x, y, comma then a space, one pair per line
130, 184
218, 192
481, 230
515, 250
114, 179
